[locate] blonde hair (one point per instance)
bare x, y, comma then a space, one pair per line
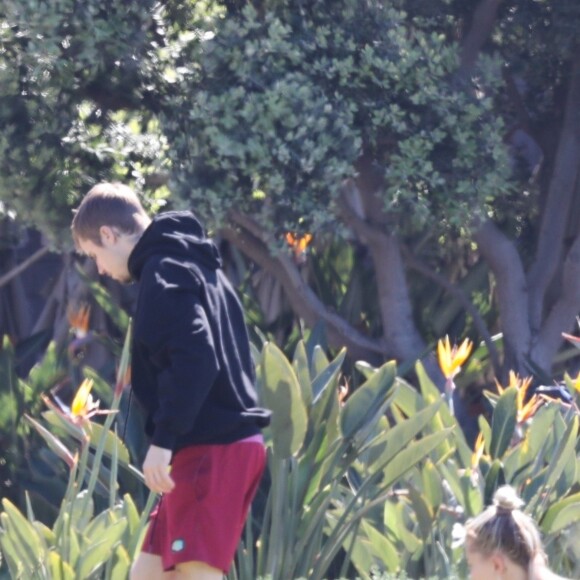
107, 204
504, 527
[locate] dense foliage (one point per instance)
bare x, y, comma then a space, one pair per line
288, 103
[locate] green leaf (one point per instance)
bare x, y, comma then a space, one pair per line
382, 547
366, 370
62, 424
559, 461
46, 533
432, 487
96, 531
112, 443
411, 455
561, 514
423, 511
503, 422
326, 375
495, 478
485, 428
12, 549
472, 492
283, 395
59, 570
540, 425
300, 363
122, 564
131, 513
96, 555
23, 532
318, 363
396, 520
367, 400
407, 398
387, 445
427, 388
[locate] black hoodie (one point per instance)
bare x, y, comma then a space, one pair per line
191, 363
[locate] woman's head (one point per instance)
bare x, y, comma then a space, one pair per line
502, 541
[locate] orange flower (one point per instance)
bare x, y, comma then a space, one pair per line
299, 244
478, 450
79, 320
451, 358
525, 410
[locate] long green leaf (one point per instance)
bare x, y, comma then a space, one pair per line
283, 395
366, 399
23, 532
561, 514
503, 422
112, 442
59, 569
327, 375
410, 456
96, 555
391, 442
300, 363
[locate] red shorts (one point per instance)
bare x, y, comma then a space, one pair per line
202, 518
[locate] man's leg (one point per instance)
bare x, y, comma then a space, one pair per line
149, 567
197, 571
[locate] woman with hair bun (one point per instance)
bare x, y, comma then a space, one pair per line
504, 543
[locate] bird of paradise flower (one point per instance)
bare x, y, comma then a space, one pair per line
526, 407
82, 408
451, 359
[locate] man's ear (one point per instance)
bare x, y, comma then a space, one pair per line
108, 234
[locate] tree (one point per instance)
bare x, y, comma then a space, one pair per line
438, 140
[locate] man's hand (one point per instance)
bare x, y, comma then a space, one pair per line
156, 470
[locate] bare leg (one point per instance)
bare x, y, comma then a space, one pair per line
197, 571
149, 567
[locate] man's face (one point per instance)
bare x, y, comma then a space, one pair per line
112, 256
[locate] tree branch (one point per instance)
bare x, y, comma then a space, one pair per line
462, 297
21, 267
563, 315
505, 263
560, 193
484, 18
399, 330
303, 300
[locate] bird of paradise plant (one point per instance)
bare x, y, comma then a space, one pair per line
526, 409
451, 359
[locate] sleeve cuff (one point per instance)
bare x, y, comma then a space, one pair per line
164, 438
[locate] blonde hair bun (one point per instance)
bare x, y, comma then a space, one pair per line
506, 498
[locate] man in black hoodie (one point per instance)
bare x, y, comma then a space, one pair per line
192, 372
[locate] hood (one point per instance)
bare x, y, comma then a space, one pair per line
175, 234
